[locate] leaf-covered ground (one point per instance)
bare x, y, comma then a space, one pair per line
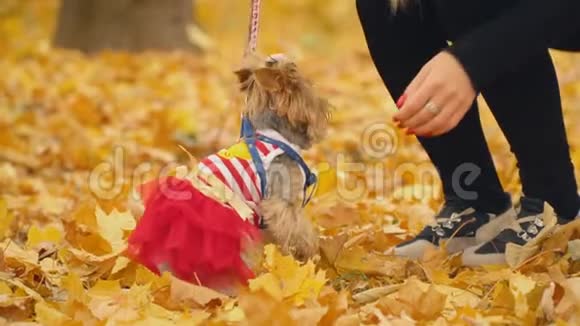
78, 132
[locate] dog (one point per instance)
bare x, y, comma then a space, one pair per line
280, 99
203, 237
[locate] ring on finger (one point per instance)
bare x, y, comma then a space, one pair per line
432, 107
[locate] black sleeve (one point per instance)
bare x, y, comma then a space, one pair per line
514, 36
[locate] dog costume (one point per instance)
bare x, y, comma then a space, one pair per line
199, 238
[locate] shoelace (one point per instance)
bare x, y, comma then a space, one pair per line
446, 223
535, 222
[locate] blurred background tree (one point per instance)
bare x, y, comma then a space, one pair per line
130, 25
300, 28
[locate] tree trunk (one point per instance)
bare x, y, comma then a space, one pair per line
130, 25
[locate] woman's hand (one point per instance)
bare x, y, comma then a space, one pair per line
437, 99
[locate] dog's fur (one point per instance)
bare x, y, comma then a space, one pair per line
279, 98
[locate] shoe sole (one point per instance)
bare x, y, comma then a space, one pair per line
472, 259
456, 245
417, 249
414, 250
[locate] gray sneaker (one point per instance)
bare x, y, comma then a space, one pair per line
458, 224
529, 224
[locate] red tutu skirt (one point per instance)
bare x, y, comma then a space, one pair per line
192, 235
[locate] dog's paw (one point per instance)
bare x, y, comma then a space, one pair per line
302, 240
306, 245
290, 229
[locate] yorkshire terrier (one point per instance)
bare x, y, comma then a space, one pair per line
201, 237
282, 100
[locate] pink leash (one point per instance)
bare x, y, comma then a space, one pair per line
253, 27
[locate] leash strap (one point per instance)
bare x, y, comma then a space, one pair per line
250, 137
257, 160
310, 177
251, 46
253, 27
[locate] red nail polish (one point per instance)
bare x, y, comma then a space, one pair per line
410, 132
401, 100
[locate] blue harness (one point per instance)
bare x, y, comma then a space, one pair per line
249, 136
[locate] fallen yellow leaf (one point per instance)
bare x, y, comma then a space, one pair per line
112, 227
49, 316
38, 236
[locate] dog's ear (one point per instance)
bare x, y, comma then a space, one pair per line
268, 78
243, 74
248, 64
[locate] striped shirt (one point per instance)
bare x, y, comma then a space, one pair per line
235, 168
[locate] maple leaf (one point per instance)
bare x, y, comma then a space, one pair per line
287, 279
109, 302
520, 287
112, 227
50, 316
182, 291
46, 235
72, 283
15, 256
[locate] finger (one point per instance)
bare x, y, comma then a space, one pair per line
452, 123
412, 87
418, 80
416, 101
438, 123
459, 111
424, 115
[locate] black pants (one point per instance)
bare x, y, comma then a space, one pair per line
525, 102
